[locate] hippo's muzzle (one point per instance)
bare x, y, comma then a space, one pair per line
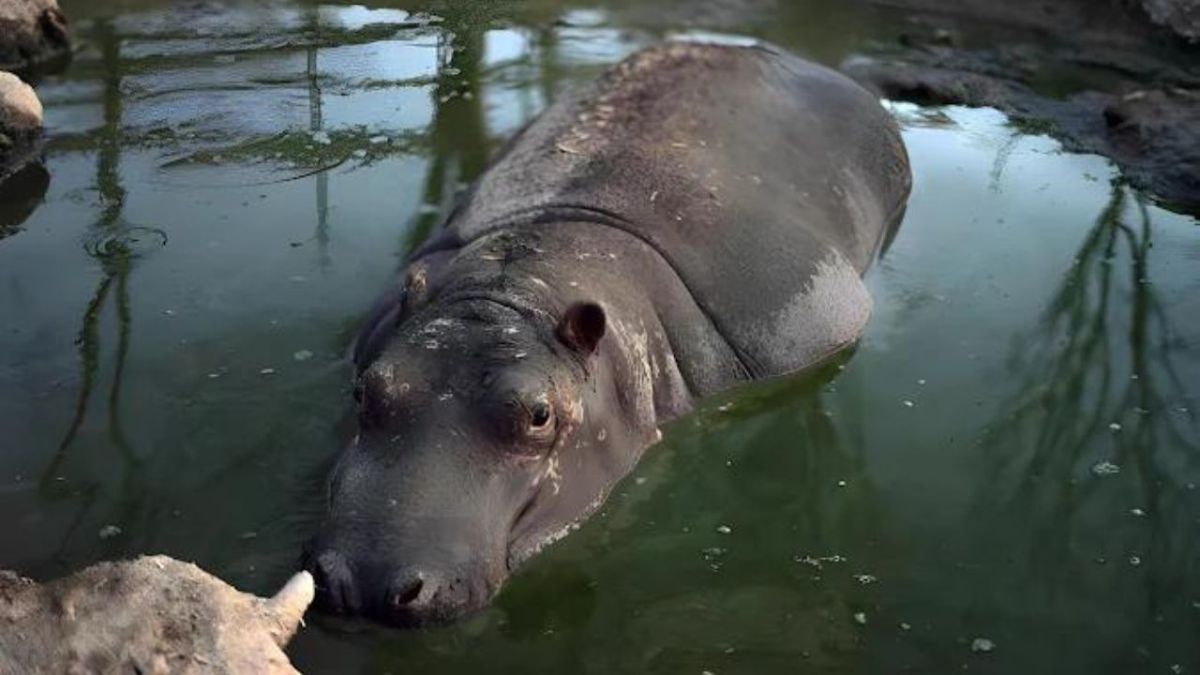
405, 595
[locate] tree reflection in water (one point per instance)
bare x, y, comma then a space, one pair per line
115, 244
1097, 435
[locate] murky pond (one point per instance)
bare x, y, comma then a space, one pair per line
1001, 478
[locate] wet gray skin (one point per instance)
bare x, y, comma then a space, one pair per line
591, 286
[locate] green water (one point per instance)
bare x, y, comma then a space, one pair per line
232, 186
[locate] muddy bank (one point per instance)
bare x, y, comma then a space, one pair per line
1072, 20
150, 615
1112, 78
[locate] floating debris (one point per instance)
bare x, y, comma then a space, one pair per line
267, 371
640, 480
713, 556
905, 627
908, 403
302, 355
724, 529
841, 483
1115, 426
1137, 512
860, 618
249, 535
982, 645
1135, 560
921, 382
818, 561
1106, 469
169, 312
109, 531
865, 579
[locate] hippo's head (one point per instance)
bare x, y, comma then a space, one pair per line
485, 432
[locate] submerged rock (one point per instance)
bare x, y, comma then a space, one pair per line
150, 615
32, 33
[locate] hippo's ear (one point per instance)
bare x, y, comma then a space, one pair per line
582, 326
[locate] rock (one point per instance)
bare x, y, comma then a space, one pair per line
1181, 16
20, 123
20, 109
33, 33
150, 615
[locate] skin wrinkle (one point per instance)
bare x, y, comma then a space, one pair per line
553, 212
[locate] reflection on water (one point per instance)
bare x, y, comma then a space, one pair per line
1010, 454
20, 194
1096, 455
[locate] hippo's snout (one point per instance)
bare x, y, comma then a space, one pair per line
399, 595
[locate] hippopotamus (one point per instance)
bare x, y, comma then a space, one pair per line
698, 218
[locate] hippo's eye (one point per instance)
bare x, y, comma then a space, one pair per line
539, 414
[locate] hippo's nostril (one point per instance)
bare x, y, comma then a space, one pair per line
334, 582
406, 591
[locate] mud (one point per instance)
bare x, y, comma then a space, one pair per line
150, 615
1111, 78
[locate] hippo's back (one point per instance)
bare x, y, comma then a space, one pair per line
766, 182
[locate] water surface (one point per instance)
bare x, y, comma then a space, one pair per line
1009, 459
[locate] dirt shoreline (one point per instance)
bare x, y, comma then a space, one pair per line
1109, 78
